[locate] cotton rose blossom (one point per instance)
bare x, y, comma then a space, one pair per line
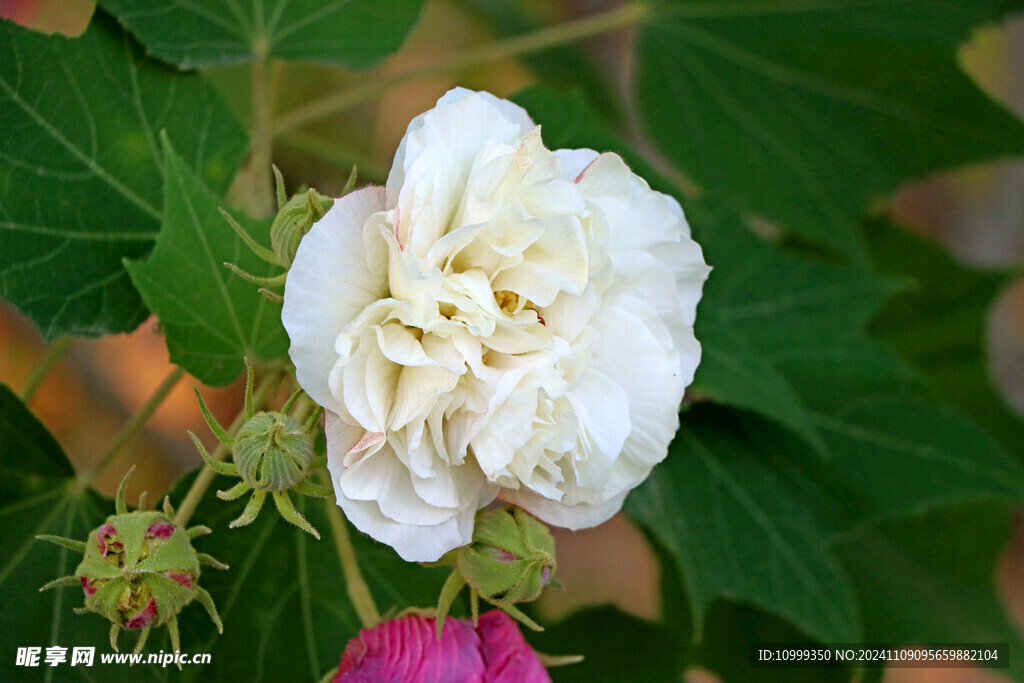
500, 320
407, 649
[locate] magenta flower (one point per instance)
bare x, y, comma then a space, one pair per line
406, 650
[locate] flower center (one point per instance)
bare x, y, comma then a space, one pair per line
508, 301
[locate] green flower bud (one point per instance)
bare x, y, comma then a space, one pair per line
293, 221
511, 558
139, 570
294, 218
272, 452
509, 561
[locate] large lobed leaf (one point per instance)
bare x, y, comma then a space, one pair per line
212, 319
939, 321
739, 532
746, 509
763, 308
929, 579
351, 33
803, 111
80, 169
779, 330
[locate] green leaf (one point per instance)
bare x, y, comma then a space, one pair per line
805, 111
783, 335
615, 647
283, 602
212, 319
931, 579
939, 323
80, 169
763, 308
350, 33
39, 496
731, 630
739, 532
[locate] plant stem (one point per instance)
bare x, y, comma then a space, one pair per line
54, 353
205, 477
552, 36
358, 591
135, 423
261, 198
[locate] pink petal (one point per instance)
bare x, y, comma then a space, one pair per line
160, 530
105, 531
144, 618
406, 650
507, 657
181, 577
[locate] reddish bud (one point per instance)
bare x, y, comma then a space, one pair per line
160, 530
145, 618
184, 579
103, 536
407, 649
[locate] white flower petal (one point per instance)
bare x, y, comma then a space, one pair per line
501, 319
331, 281
603, 410
574, 517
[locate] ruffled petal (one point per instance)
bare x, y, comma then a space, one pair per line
330, 283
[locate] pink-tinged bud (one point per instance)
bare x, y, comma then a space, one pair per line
407, 649
184, 579
104, 535
145, 618
139, 570
510, 559
160, 530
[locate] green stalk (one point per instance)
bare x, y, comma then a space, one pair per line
358, 590
551, 36
261, 199
53, 355
134, 424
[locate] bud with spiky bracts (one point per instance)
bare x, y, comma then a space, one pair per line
271, 453
509, 561
139, 570
294, 218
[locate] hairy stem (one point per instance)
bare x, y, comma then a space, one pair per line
136, 423
551, 36
358, 591
54, 353
261, 198
205, 477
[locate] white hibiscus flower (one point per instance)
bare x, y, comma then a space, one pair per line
500, 321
